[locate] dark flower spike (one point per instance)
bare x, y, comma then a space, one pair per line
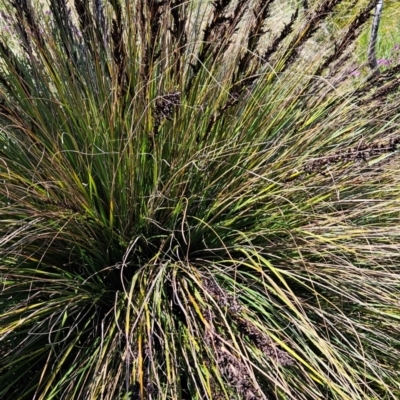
361, 152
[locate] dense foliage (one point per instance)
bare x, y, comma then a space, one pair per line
198, 201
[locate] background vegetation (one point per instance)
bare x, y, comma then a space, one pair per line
198, 201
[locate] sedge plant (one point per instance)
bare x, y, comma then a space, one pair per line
195, 204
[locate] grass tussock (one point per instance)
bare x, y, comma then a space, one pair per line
193, 208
